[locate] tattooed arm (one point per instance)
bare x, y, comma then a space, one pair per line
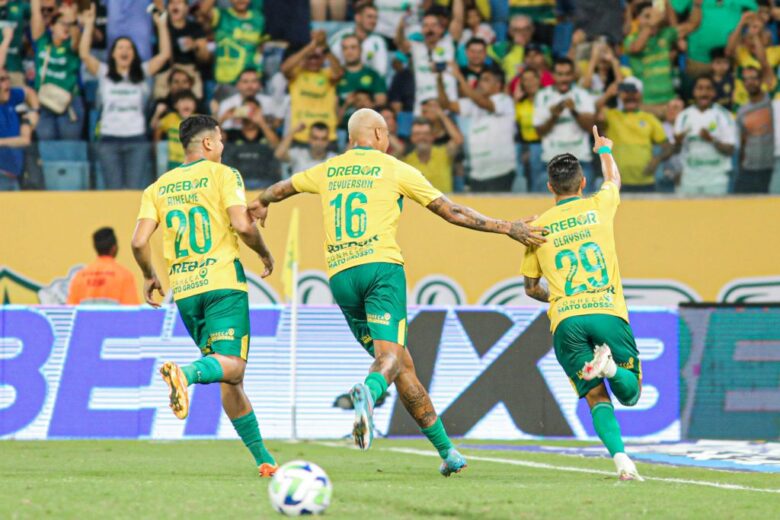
275, 193
536, 289
464, 216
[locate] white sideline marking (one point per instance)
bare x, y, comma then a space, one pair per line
570, 469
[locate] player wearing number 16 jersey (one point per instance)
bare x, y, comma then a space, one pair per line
363, 192
587, 311
201, 207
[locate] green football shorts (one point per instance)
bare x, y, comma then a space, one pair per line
373, 300
576, 337
218, 321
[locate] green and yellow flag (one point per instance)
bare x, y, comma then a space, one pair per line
290, 256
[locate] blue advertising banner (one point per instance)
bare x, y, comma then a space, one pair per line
91, 372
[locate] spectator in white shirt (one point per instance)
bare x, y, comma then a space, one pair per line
706, 134
564, 114
490, 134
374, 46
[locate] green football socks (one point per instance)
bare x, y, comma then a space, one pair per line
625, 385
249, 431
376, 385
203, 371
607, 427
438, 437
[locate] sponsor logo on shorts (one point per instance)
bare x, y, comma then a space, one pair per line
188, 267
228, 335
381, 319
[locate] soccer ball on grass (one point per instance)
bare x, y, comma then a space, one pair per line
300, 488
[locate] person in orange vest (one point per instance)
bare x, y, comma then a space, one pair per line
104, 280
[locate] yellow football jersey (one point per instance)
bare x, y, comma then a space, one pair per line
362, 193
190, 203
579, 259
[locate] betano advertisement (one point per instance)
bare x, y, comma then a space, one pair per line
671, 251
91, 372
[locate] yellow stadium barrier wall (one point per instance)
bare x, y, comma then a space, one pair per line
671, 250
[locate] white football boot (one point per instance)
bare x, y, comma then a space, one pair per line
626, 469
601, 366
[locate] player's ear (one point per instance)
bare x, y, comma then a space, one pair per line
583, 182
550, 188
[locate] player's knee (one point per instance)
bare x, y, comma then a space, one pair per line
630, 399
389, 364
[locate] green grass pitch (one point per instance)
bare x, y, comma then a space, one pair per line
216, 479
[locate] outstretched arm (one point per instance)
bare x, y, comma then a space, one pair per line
142, 251
608, 166
465, 216
536, 289
241, 221
258, 209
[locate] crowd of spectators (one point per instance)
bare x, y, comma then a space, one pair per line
478, 94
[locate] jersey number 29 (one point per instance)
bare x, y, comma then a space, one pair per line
597, 268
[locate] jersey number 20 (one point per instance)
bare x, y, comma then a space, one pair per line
184, 222
581, 258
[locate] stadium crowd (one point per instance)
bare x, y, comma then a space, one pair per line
478, 94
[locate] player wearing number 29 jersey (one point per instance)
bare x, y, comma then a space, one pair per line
362, 193
587, 311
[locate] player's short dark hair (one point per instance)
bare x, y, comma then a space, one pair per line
565, 174
194, 125
476, 41
319, 125
184, 94
563, 60
104, 239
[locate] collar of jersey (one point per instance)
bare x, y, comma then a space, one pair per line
362, 148
570, 199
185, 165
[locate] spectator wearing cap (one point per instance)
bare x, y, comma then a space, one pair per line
634, 133
705, 133
755, 124
490, 115
564, 114
510, 55
401, 92
648, 49
104, 281
15, 132
373, 47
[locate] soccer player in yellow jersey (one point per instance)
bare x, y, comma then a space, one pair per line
201, 206
362, 194
588, 314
